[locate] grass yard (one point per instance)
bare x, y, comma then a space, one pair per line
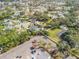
53, 34
1, 27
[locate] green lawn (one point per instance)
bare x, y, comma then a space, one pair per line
1, 27
53, 34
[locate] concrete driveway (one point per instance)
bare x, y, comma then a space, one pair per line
23, 50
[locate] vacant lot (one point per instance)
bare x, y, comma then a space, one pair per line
54, 34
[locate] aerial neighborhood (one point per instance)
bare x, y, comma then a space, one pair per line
39, 29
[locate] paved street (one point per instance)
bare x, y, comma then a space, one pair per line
24, 51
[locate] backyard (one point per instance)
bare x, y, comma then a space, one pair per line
53, 34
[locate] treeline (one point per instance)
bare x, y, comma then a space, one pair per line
11, 39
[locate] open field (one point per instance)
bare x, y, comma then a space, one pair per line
54, 34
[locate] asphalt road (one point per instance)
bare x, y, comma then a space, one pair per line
23, 50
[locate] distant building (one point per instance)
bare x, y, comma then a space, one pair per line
63, 27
